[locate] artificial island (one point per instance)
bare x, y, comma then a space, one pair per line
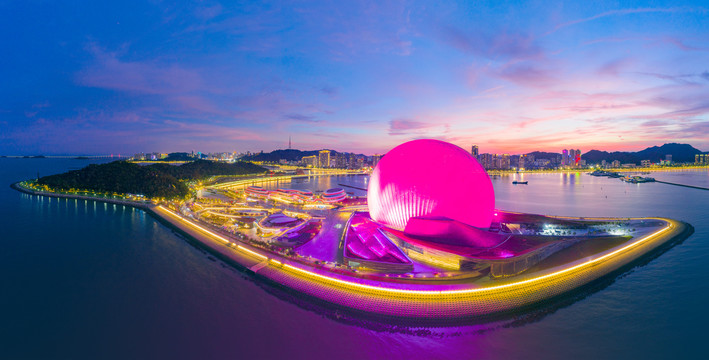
421, 244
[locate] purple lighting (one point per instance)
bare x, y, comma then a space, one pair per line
430, 178
364, 241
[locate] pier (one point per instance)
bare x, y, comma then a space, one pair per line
689, 186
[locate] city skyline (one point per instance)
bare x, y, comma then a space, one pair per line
359, 77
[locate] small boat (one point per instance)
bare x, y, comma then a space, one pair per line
520, 182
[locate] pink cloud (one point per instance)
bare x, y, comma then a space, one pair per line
412, 127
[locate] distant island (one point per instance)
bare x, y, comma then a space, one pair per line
681, 153
157, 180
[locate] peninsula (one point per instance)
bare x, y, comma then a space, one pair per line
421, 244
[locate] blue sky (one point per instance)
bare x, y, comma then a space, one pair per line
124, 77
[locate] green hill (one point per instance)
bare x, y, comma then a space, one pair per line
201, 169
119, 177
159, 180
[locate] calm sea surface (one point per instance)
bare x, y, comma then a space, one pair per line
85, 280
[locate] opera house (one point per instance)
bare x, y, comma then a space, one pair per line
426, 242
441, 218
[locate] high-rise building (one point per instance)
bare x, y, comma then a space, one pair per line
375, 159
701, 159
474, 151
486, 161
310, 161
570, 157
340, 161
503, 161
324, 158
522, 162
577, 158
495, 161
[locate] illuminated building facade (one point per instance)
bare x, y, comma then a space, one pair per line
523, 161
333, 195
324, 158
495, 161
503, 161
571, 157
310, 161
257, 191
340, 161
375, 160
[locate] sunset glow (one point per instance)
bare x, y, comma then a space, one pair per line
352, 76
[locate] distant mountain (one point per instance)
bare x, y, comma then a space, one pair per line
544, 155
287, 154
680, 153
597, 156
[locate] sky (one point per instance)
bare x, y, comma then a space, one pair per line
122, 77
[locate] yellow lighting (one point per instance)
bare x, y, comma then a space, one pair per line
586, 264
219, 237
484, 289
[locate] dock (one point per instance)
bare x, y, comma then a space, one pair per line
689, 186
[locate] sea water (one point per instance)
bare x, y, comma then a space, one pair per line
87, 280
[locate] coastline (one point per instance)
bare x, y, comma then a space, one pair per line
586, 170
430, 301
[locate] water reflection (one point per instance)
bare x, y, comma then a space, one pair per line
455, 327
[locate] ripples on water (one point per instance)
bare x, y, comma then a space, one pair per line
92, 280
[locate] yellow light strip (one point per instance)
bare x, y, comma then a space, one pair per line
251, 252
432, 292
484, 289
219, 237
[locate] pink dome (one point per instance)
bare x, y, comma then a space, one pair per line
430, 178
